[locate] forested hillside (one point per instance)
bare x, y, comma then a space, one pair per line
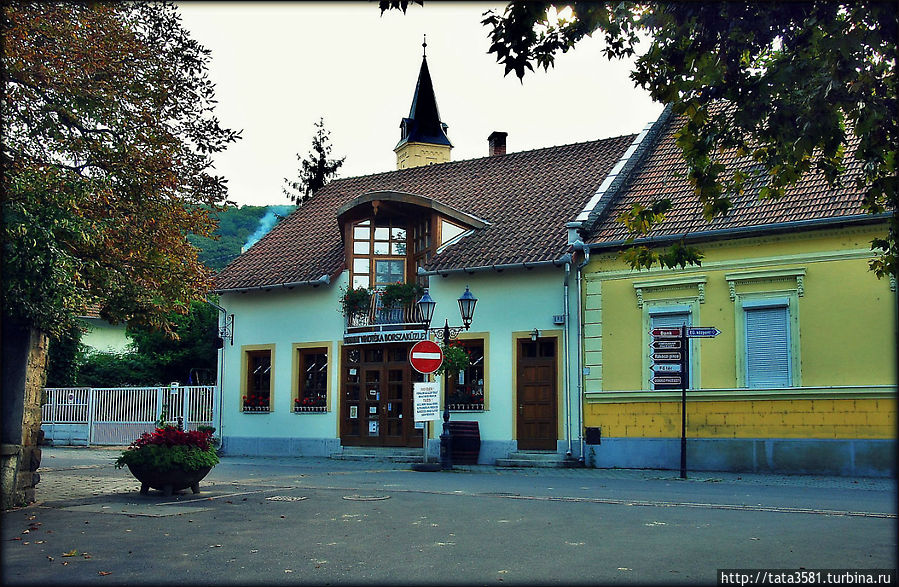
237, 227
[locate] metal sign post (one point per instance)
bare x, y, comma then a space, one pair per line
685, 376
671, 366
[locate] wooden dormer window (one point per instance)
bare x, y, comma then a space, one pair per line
379, 253
389, 236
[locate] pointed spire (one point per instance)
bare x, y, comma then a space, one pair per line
423, 124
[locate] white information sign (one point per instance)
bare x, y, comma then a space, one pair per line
426, 396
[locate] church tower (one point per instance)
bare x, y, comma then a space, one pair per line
423, 139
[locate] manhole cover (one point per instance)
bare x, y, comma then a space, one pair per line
287, 498
366, 497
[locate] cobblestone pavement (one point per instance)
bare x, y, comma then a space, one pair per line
317, 521
76, 472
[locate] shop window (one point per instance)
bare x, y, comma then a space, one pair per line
465, 392
312, 384
257, 395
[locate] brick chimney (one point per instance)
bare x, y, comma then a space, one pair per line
497, 143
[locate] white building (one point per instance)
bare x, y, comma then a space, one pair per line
300, 378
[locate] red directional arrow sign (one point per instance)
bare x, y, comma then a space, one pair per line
425, 356
665, 332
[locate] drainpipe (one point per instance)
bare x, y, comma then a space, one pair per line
579, 246
565, 345
217, 406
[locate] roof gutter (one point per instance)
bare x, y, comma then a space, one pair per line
742, 231
560, 262
323, 280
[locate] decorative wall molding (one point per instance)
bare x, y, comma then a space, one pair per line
797, 275
744, 394
734, 264
697, 281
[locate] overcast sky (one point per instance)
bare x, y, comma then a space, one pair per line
280, 66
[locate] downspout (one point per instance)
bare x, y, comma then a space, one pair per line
565, 345
579, 246
217, 406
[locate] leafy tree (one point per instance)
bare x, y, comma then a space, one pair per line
108, 131
316, 169
157, 358
235, 227
65, 354
795, 86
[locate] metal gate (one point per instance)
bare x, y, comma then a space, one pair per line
118, 415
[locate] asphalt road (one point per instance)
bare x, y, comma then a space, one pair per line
318, 521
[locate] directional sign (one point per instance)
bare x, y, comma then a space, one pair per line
666, 380
665, 332
666, 368
664, 345
426, 356
703, 332
665, 357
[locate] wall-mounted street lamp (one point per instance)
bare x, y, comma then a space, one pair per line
426, 306
535, 334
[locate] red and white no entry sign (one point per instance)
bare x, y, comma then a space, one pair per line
425, 356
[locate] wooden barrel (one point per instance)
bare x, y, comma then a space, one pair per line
466, 442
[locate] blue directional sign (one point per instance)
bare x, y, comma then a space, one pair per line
702, 332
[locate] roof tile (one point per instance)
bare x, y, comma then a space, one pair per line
527, 197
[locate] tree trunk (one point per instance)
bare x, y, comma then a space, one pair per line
24, 374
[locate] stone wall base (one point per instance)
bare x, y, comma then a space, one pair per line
792, 456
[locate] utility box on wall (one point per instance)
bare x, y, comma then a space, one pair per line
593, 435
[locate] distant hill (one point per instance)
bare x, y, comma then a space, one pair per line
238, 226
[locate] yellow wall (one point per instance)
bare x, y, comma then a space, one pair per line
818, 418
846, 322
419, 154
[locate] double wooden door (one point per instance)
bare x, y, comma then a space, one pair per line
537, 420
377, 397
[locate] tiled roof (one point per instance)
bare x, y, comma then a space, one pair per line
526, 197
662, 174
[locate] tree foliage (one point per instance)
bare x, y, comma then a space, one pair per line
108, 131
316, 169
236, 225
795, 86
158, 359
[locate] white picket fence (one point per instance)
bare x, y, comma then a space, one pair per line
118, 415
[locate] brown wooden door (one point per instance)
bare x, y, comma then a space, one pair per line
377, 394
537, 409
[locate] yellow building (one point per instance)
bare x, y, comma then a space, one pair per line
801, 378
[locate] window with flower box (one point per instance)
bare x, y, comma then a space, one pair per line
312, 380
257, 380
465, 391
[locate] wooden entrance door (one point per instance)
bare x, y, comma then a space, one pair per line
377, 397
537, 404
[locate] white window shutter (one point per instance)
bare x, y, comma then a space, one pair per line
768, 362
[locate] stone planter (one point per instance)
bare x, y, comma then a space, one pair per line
168, 481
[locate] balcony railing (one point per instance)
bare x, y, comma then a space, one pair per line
379, 318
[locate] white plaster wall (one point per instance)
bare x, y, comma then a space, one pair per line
511, 303
103, 336
282, 317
